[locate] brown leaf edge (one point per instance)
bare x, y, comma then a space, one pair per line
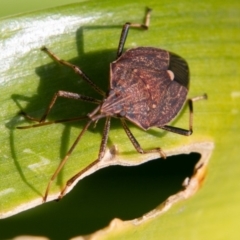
190, 186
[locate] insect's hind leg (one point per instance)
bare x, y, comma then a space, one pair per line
126, 27
189, 131
137, 145
75, 68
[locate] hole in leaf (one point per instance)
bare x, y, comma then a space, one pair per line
114, 192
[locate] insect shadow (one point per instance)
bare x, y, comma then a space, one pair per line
54, 77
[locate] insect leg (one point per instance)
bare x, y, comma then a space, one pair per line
64, 160
100, 156
137, 145
126, 27
181, 131
76, 70
63, 94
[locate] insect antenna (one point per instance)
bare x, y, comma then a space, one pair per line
53, 122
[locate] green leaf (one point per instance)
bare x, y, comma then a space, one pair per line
206, 34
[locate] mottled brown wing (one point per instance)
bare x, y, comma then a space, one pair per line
151, 99
142, 90
139, 58
148, 108
172, 101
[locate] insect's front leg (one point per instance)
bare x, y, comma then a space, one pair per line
63, 94
100, 156
64, 160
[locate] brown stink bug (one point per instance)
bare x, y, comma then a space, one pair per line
148, 87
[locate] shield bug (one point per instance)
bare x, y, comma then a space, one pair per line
148, 87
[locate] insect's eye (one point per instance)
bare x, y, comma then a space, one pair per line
122, 113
